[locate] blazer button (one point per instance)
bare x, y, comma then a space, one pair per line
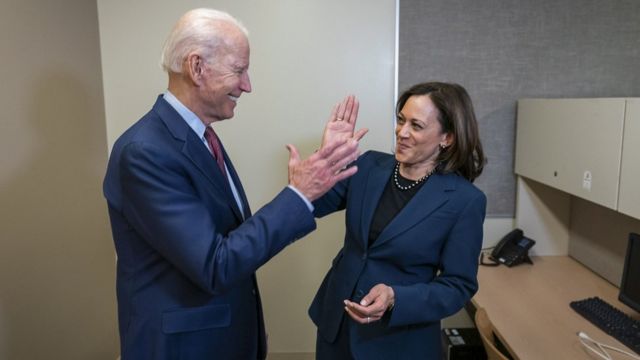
364, 256
359, 293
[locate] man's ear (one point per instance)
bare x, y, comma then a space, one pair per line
195, 68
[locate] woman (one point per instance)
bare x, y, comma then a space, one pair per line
413, 232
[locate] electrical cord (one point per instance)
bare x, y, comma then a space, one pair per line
586, 341
486, 263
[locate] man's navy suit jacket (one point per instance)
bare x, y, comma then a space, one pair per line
428, 254
186, 287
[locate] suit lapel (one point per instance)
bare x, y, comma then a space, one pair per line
237, 183
194, 149
377, 178
429, 198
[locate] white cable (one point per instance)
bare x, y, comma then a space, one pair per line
600, 351
633, 356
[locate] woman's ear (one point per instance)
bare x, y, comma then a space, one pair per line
447, 140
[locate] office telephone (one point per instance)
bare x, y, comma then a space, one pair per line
512, 250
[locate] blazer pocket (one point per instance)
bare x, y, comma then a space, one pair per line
193, 319
444, 215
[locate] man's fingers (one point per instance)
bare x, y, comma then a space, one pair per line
345, 174
328, 149
342, 165
294, 156
343, 155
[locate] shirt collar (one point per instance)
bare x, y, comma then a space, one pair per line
187, 115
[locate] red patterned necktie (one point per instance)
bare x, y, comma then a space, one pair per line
216, 148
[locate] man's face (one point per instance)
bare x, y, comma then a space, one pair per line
226, 77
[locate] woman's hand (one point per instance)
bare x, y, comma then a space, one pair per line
373, 306
342, 122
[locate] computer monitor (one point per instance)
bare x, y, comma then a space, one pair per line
630, 285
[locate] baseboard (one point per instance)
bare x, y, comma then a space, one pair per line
291, 356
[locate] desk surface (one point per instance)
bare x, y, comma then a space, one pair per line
529, 306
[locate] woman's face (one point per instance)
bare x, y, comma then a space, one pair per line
418, 133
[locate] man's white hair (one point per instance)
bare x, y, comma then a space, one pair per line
198, 30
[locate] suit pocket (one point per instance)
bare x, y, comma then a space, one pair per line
193, 319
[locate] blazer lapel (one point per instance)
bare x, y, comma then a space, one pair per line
377, 179
429, 198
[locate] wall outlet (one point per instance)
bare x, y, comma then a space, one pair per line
586, 180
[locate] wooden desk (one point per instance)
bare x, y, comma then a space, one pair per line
529, 307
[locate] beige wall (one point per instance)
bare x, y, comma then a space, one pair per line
56, 257
305, 56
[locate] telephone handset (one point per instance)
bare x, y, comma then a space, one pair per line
513, 249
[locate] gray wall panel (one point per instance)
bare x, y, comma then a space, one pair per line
502, 51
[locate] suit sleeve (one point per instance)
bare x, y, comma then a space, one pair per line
164, 207
457, 281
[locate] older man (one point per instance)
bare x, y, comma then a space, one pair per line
186, 241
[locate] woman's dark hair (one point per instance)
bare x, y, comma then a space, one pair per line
456, 116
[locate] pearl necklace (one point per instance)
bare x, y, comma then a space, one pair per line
413, 184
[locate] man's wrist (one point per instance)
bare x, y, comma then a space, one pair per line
304, 198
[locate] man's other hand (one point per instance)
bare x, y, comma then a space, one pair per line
318, 173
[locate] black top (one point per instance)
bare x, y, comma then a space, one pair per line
391, 202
